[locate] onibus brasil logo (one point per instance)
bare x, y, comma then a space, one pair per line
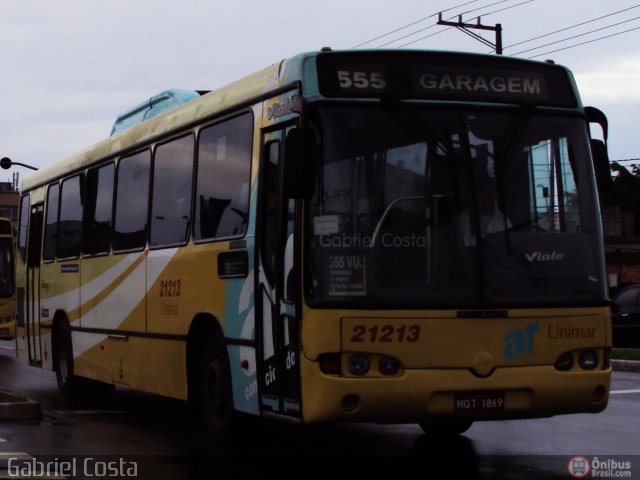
579, 467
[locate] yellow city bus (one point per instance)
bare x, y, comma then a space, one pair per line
360, 236
7, 281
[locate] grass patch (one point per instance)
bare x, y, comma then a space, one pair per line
625, 354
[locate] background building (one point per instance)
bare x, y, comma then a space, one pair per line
9, 200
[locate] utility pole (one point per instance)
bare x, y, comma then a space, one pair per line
467, 27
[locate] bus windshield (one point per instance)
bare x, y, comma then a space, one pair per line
419, 207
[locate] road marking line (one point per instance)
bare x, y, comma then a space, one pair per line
8, 348
93, 412
623, 392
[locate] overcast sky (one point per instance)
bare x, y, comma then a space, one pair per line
69, 67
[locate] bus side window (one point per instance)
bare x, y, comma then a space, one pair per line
51, 223
70, 224
98, 210
224, 170
171, 204
23, 228
132, 199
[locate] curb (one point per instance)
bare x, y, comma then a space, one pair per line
15, 407
626, 365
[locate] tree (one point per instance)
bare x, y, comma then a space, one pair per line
625, 192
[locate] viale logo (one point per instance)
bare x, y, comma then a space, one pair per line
544, 257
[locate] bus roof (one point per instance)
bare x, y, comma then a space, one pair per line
193, 108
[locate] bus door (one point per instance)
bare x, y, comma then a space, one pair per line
277, 324
34, 244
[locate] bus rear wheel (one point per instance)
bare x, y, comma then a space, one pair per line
67, 381
216, 399
444, 429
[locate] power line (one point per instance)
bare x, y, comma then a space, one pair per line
435, 24
421, 38
626, 160
584, 43
502, 9
512, 45
474, 18
572, 26
414, 23
467, 28
576, 36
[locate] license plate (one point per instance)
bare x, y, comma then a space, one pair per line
479, 401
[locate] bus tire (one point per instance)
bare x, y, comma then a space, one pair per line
216, 398
67, 381
445, 429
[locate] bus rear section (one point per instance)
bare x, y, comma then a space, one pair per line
7, 281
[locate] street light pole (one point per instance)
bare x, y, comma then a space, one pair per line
6, 163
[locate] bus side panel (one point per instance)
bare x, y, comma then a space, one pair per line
240, 318
99, 277
182, 284
113, 300
59, 292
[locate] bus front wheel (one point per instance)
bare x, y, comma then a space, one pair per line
216, 398
439, 429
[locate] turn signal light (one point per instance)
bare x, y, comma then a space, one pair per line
330, 363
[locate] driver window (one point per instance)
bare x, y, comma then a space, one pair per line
270, 204
553, 193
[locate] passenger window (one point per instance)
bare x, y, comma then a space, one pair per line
23, 229
70, 224
51, 225
172, 183
132, 199
98, 210
224, 170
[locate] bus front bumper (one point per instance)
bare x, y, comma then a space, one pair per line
448, 394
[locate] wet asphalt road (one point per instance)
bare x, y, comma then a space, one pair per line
160, 437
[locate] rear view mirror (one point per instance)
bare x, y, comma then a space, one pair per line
599, 149
300, 163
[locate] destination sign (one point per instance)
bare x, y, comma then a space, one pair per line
444, 76
478, 83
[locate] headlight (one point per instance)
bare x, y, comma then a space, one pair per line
564, 362
588, 359
388, 366
358, 365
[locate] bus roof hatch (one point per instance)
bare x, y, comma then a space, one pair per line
155, 105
